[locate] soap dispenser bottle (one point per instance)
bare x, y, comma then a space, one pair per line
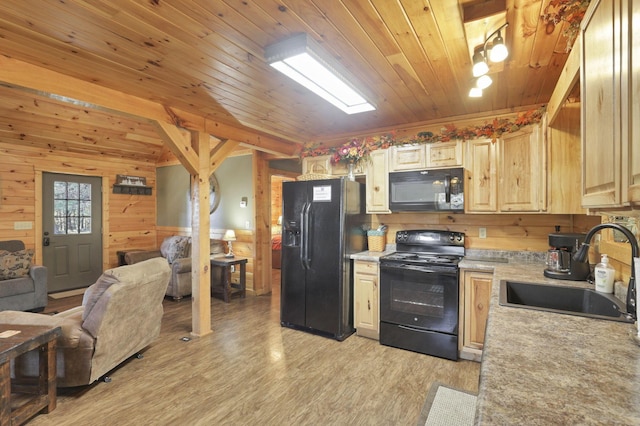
604, 275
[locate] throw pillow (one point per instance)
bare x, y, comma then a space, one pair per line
15, 264
173, 248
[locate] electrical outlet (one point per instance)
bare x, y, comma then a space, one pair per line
247, 224
482, 232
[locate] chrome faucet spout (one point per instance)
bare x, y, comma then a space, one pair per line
581, 256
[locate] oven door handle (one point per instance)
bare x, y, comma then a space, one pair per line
419, 330
419, 269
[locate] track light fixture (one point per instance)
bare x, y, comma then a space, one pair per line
496, 52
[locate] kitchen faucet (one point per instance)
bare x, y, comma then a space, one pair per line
581, 256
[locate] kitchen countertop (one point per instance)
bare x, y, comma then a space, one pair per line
373, 256
541, 368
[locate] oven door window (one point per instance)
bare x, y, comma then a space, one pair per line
421, 299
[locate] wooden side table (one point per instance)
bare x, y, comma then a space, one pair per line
228, 288
43, 388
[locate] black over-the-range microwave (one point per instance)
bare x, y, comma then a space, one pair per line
427, 190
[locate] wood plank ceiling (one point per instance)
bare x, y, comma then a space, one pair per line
206, 57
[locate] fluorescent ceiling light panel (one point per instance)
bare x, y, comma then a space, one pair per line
298, 58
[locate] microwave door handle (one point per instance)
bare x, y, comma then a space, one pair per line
447, 189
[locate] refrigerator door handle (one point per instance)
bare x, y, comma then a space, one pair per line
304, 252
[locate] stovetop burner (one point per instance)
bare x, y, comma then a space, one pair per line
426, 247
422, 258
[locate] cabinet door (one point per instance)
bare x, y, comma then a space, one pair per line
342, 169
632, 180
444, 154
407, 157
521, 170
366, 299
477, 295
481, 186
320, 164
600, 98
378, 182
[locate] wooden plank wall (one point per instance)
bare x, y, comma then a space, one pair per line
504, 231
130, 220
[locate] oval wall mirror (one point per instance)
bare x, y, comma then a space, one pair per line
214, 193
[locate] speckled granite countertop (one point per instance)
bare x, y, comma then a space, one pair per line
541, 368
373, 256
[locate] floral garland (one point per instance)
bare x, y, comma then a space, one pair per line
357, 149
570, 11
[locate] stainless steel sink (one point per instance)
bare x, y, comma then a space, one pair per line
563, 300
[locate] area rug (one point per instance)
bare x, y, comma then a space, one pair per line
63, 294
447, 406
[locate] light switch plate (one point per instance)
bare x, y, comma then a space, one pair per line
482, 232
22, 225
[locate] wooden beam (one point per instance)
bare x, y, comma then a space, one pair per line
200, 225
222, 151
568, 79
180, 144
255, 140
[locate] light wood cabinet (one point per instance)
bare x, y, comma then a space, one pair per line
365, 297
475, 298
507, 175
320, 164
444, 154
342, 169
407, 157
481, 186
377, 180
610, 86
521, 171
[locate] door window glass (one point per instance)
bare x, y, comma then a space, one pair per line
71, 208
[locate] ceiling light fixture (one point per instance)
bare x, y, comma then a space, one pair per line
475, 92
480, 66
303, 60
483, 82
496, 52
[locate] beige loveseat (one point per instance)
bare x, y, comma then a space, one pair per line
177, 251
120, 315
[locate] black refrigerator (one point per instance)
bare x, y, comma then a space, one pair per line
322, 225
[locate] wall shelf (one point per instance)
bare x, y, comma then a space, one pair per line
132, 189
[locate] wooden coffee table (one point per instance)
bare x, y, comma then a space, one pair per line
16, 340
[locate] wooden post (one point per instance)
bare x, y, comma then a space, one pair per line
262, 249
200, 225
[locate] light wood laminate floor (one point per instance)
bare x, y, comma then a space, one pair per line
251, 371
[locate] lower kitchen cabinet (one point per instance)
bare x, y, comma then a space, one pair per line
475, 295
366, 312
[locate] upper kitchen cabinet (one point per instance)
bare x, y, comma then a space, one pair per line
521, 171
426, 156
507, 175
407, 157
317, 165
444, 154
322, 165
610, 86
481, 186
377, 194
